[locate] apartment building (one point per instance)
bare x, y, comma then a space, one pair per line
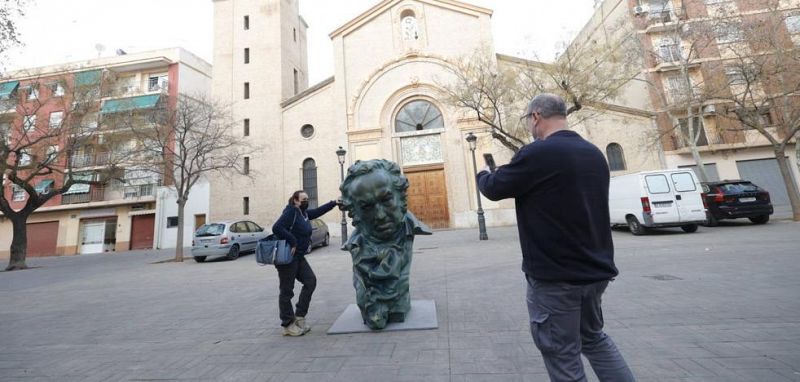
692, 53
129, 207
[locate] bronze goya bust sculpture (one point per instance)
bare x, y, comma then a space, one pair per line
374, 194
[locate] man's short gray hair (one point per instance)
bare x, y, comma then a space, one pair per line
548, 105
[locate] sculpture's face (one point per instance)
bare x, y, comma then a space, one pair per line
377, 205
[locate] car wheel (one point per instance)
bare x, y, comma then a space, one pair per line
712, 221
760, 219
327, 240
636, 228
233, 253
689, 228
200, 259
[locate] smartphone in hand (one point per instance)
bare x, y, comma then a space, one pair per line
489, 159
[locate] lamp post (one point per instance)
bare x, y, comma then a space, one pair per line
340, 153
473, 140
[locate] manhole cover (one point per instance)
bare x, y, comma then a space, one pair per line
663, 277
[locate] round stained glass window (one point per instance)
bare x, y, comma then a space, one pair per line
418, 115
307, 131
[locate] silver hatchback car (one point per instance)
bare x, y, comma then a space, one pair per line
228, 238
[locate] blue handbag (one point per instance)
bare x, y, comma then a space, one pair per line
271, 250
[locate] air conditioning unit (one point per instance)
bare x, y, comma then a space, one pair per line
709, 109
640, 10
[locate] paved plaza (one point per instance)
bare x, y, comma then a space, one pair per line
722, 304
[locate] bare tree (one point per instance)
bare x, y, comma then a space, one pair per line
9, 33
762, 91
38, 155
188, 139
588, 75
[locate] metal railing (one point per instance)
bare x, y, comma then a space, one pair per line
89, 160
95, 194
139, 191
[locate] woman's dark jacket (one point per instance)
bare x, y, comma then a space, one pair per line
294, 225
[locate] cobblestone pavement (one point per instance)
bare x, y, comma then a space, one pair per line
717, 305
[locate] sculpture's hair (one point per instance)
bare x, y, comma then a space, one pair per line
295, 196
399, 182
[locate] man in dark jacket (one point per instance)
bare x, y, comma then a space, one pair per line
293, 226
560, 185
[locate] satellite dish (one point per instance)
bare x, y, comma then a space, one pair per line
121, 52
100, 48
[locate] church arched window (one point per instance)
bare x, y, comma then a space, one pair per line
616, 158
418, 115
310, 181
409, 26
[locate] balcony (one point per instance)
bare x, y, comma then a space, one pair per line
95, 194
139, 191
89, 160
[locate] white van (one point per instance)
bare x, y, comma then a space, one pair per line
662, 198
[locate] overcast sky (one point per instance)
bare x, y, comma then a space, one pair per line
60, 31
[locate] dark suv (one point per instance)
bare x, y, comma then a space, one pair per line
732, 199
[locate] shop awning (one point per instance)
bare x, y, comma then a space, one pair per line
7, 88
80, 188
91, 77
131, 103
43, 186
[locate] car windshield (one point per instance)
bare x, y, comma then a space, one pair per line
210, 230
732, 188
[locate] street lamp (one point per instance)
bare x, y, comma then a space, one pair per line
473, 140
340, 153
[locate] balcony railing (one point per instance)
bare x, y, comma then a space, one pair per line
95, 194
88, 160
139, 191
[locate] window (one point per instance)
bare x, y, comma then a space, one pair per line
247, 127
616, 158
246, 90
684, 182
296, 81
294, 34
51, 154
418, 115
735, 75
33, 92
172, 222
793, 23
17, 193
310, 181
695, 131
246, 206
669, 50
253, 227
246, 22
678, 89
307, 131
158, 83
29, 123
56, 118
57, 90
765, 118
661, 9
657, 184
409, 26
709, 2
246, 55
246, 167
24, 158
729, 32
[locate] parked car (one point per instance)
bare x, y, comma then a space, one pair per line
663, 198
733, 199
228, 238
320, 237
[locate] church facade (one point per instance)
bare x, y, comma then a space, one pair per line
384, 101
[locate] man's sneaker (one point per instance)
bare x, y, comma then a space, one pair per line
293, 330
301, 323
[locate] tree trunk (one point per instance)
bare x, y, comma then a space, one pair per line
701, 168
791, 186
19, 244
179, 241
